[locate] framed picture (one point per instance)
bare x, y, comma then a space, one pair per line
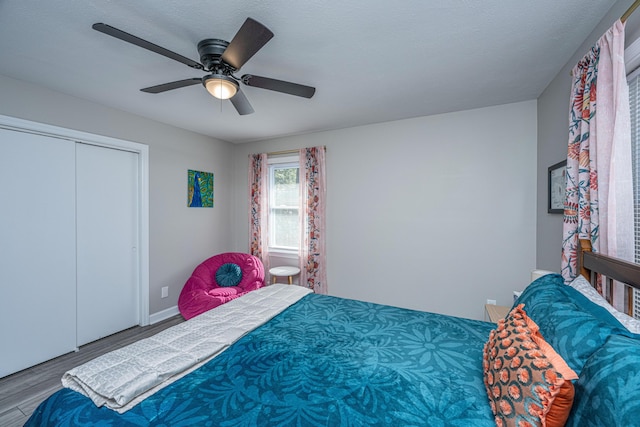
557, 178
199, 189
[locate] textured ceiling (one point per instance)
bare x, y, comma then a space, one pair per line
371, 61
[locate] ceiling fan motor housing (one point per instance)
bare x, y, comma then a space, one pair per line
210, 51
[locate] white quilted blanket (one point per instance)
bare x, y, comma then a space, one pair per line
124, 377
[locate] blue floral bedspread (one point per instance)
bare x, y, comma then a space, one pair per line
325, 361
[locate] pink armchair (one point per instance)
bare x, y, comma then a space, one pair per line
218, 280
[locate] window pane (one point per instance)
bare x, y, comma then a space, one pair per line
285, 228
284, 206
286, 183
634, 104
634, 107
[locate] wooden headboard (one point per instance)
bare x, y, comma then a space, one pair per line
591, 265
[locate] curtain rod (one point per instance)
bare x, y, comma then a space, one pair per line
624, 17
279, 153
629, 11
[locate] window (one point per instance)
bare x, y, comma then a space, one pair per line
634, 103
284, 204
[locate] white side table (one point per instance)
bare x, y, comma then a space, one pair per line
289, 272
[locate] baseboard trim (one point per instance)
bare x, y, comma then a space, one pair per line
163, 315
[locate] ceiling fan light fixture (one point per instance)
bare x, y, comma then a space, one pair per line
220, 86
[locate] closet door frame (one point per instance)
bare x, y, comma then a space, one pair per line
22, 125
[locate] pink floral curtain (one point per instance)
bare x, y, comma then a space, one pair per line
259, 208
581, 194
599, 195
312, 242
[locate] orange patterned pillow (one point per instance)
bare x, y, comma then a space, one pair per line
526, 380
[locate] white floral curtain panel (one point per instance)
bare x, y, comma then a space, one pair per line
599, 193
258, 208
313, 219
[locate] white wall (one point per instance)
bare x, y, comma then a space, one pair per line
420, 211
435, 213
180, 237
553, 134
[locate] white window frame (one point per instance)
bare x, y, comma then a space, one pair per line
632, 63
281, 161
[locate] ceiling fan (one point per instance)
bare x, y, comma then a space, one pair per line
221, 59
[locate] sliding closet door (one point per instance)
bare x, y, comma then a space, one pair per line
37, 249
107, 212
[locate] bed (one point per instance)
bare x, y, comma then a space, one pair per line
328, 361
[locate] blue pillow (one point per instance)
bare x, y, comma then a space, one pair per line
573, 331
229, 274
608, 390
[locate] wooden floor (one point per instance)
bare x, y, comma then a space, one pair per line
22, 392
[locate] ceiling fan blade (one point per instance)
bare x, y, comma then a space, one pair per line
248, 40
279, 85
129, 38
241, 103
172, 85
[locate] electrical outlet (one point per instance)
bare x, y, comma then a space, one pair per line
164, 292
491, 302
